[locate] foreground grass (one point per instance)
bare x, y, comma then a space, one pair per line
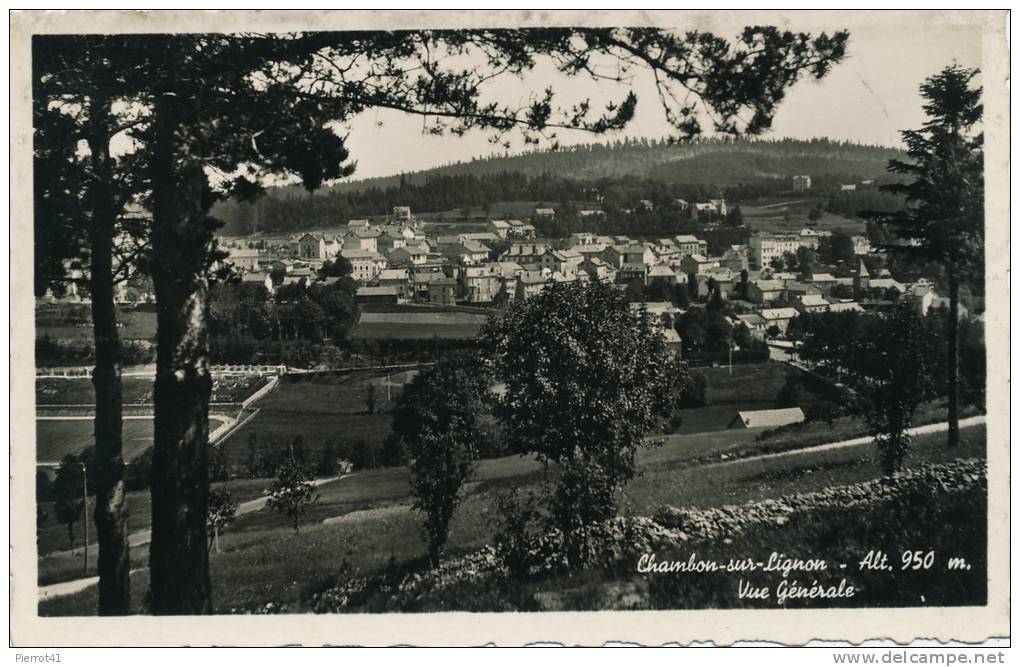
372, 526
52, 536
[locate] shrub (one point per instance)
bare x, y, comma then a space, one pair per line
585, 495
519, 526
392, 453
221, 511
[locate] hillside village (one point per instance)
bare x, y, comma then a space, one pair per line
399, 260
403, 259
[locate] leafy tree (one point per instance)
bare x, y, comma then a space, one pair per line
43, 487
328, 457
696, 392
365, 454
437, 417
945, 198
137, 471
659, 289
715, 300
814, 215
635, 291
370, 398
81, 190
837, 248
251, 462
735, 217
264, 104
41, 514
893, 365
692, 285
392, 453
806, 259
743, 284
68, 494
339, 267
586, 378
218, 471
790, 394
297, 450
222, 511
292, 492
441, 463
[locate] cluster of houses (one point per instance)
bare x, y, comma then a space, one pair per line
395, 261
776, 297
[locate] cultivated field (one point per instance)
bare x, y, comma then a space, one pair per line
56, 438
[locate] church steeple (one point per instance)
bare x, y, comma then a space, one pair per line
861, 279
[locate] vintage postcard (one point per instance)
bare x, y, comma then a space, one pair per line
458, 328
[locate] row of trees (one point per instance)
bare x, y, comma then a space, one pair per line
243, 316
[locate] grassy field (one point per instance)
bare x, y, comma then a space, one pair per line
57, 564
746, 387
324, 408
791, 214
321, 408
73, 322
807, 434
79, 391
366, 519
419, 324
56, 438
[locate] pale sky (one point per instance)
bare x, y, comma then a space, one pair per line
868, 98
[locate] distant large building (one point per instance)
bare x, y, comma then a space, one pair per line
765, 247
862, 245
801, 183
690, 245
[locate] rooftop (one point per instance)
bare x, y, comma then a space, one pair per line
768, 418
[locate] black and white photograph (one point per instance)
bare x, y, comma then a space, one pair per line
357, 319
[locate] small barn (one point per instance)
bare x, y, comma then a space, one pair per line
767, 418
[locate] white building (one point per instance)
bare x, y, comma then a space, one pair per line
765, 247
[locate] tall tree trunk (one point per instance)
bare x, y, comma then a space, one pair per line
181, 242
953, 374
111, 509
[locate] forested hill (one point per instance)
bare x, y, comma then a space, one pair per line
566, 174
